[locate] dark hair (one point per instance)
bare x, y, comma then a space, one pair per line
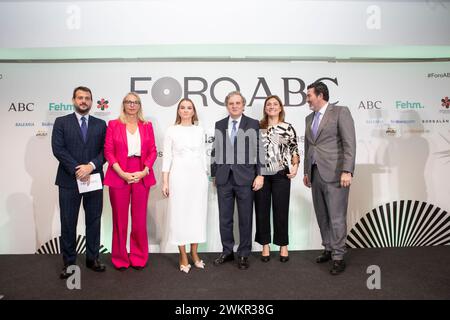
81, 88
194, 116
320, 88
264, 123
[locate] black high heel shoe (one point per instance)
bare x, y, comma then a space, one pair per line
265, 258
284, 258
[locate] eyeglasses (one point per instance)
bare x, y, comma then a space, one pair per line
128, 102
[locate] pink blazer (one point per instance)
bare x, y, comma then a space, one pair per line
116, 150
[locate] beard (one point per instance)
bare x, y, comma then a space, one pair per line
82, 111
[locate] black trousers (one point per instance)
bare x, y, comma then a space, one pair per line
274, 194
69, 203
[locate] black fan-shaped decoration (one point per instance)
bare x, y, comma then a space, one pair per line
53, 246
404, 223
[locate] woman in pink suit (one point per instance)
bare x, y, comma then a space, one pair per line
131, 152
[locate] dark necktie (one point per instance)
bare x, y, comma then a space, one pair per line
84, 128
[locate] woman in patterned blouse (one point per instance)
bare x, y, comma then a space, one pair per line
281, 149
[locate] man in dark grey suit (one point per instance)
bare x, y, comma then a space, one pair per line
77, 143
236, 169
330, 147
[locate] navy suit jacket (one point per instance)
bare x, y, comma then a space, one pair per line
243, 158
70, 149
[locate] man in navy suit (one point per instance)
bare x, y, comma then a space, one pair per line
77, 143
236, 170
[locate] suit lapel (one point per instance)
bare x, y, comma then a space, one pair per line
308, 126
142, 134
123, 133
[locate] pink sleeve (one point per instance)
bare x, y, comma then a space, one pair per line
152, 148
109, 143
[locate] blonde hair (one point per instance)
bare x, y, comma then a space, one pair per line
140, 114
194, 118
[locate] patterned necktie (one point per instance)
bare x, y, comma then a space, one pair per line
84, 128
315, 126
233, 132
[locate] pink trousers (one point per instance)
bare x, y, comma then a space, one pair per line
135, 194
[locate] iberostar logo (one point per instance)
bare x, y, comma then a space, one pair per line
102, 104
445, 102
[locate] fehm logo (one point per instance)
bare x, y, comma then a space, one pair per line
369, 105
102, 104
21, 107
407, 105
52, 106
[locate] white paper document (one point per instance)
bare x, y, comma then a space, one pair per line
95, 183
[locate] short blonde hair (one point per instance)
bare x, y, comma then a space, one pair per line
140, 114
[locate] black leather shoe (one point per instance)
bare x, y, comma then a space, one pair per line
284, 258
95, 265
224, 258
324, 257
265, 258
338, 267
243, 263
64, 274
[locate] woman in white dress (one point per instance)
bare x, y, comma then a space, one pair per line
185, 183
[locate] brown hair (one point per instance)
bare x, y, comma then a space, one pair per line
194, 117
81, 88
264, 123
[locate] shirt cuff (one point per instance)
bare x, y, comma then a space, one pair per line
93, 165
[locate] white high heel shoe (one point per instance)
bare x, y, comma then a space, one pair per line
185, 268
199, 264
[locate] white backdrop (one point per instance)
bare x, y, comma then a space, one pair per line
402, 129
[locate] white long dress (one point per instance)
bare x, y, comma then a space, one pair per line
185, 161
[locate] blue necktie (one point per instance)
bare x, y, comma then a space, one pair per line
233, 132
315, 126
84, 128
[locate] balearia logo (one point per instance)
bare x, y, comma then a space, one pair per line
24, 124
369, 105
375, 121
57, 107
102, 104
408, 105
445, 102
167, 91
21, 107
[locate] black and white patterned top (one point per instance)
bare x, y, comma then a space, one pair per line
280, 144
